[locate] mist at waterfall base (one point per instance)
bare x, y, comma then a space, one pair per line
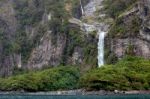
140, 96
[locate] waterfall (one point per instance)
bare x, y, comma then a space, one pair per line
81, 7
101, 48
49, 16
89, 12
19, 61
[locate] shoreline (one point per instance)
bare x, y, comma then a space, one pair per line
77, 92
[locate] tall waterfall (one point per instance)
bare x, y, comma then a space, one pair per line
101, 36
101, 48
82, 10
89, 11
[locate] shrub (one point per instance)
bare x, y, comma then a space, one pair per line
52, 79
131, 73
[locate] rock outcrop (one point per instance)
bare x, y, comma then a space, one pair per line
136, 39
37, 34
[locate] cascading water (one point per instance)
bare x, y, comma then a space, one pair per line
81, 7
101, 48
89, 11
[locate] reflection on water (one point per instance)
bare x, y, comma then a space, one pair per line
74, 97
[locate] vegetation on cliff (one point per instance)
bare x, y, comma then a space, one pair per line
122, 26
115, 8
125, 25
131, 73
30, 14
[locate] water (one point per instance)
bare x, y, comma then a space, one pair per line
89, 11
81, 8
74, 97
101, 48
49, 16
89, 28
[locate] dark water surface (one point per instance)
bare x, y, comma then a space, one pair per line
74, 97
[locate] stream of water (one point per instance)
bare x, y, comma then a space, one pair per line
101, 48
89, 11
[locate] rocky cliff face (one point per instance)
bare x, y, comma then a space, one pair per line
36, 34
8, 26
130, 33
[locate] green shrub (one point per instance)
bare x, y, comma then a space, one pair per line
131, 73
52, 79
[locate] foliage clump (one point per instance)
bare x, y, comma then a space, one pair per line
60, 78
131, 73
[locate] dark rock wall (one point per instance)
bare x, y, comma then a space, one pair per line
132, 42
29, 42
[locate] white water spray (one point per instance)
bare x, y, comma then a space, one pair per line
101, 48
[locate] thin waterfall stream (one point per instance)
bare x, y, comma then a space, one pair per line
82, 10
101, 48
89, 11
